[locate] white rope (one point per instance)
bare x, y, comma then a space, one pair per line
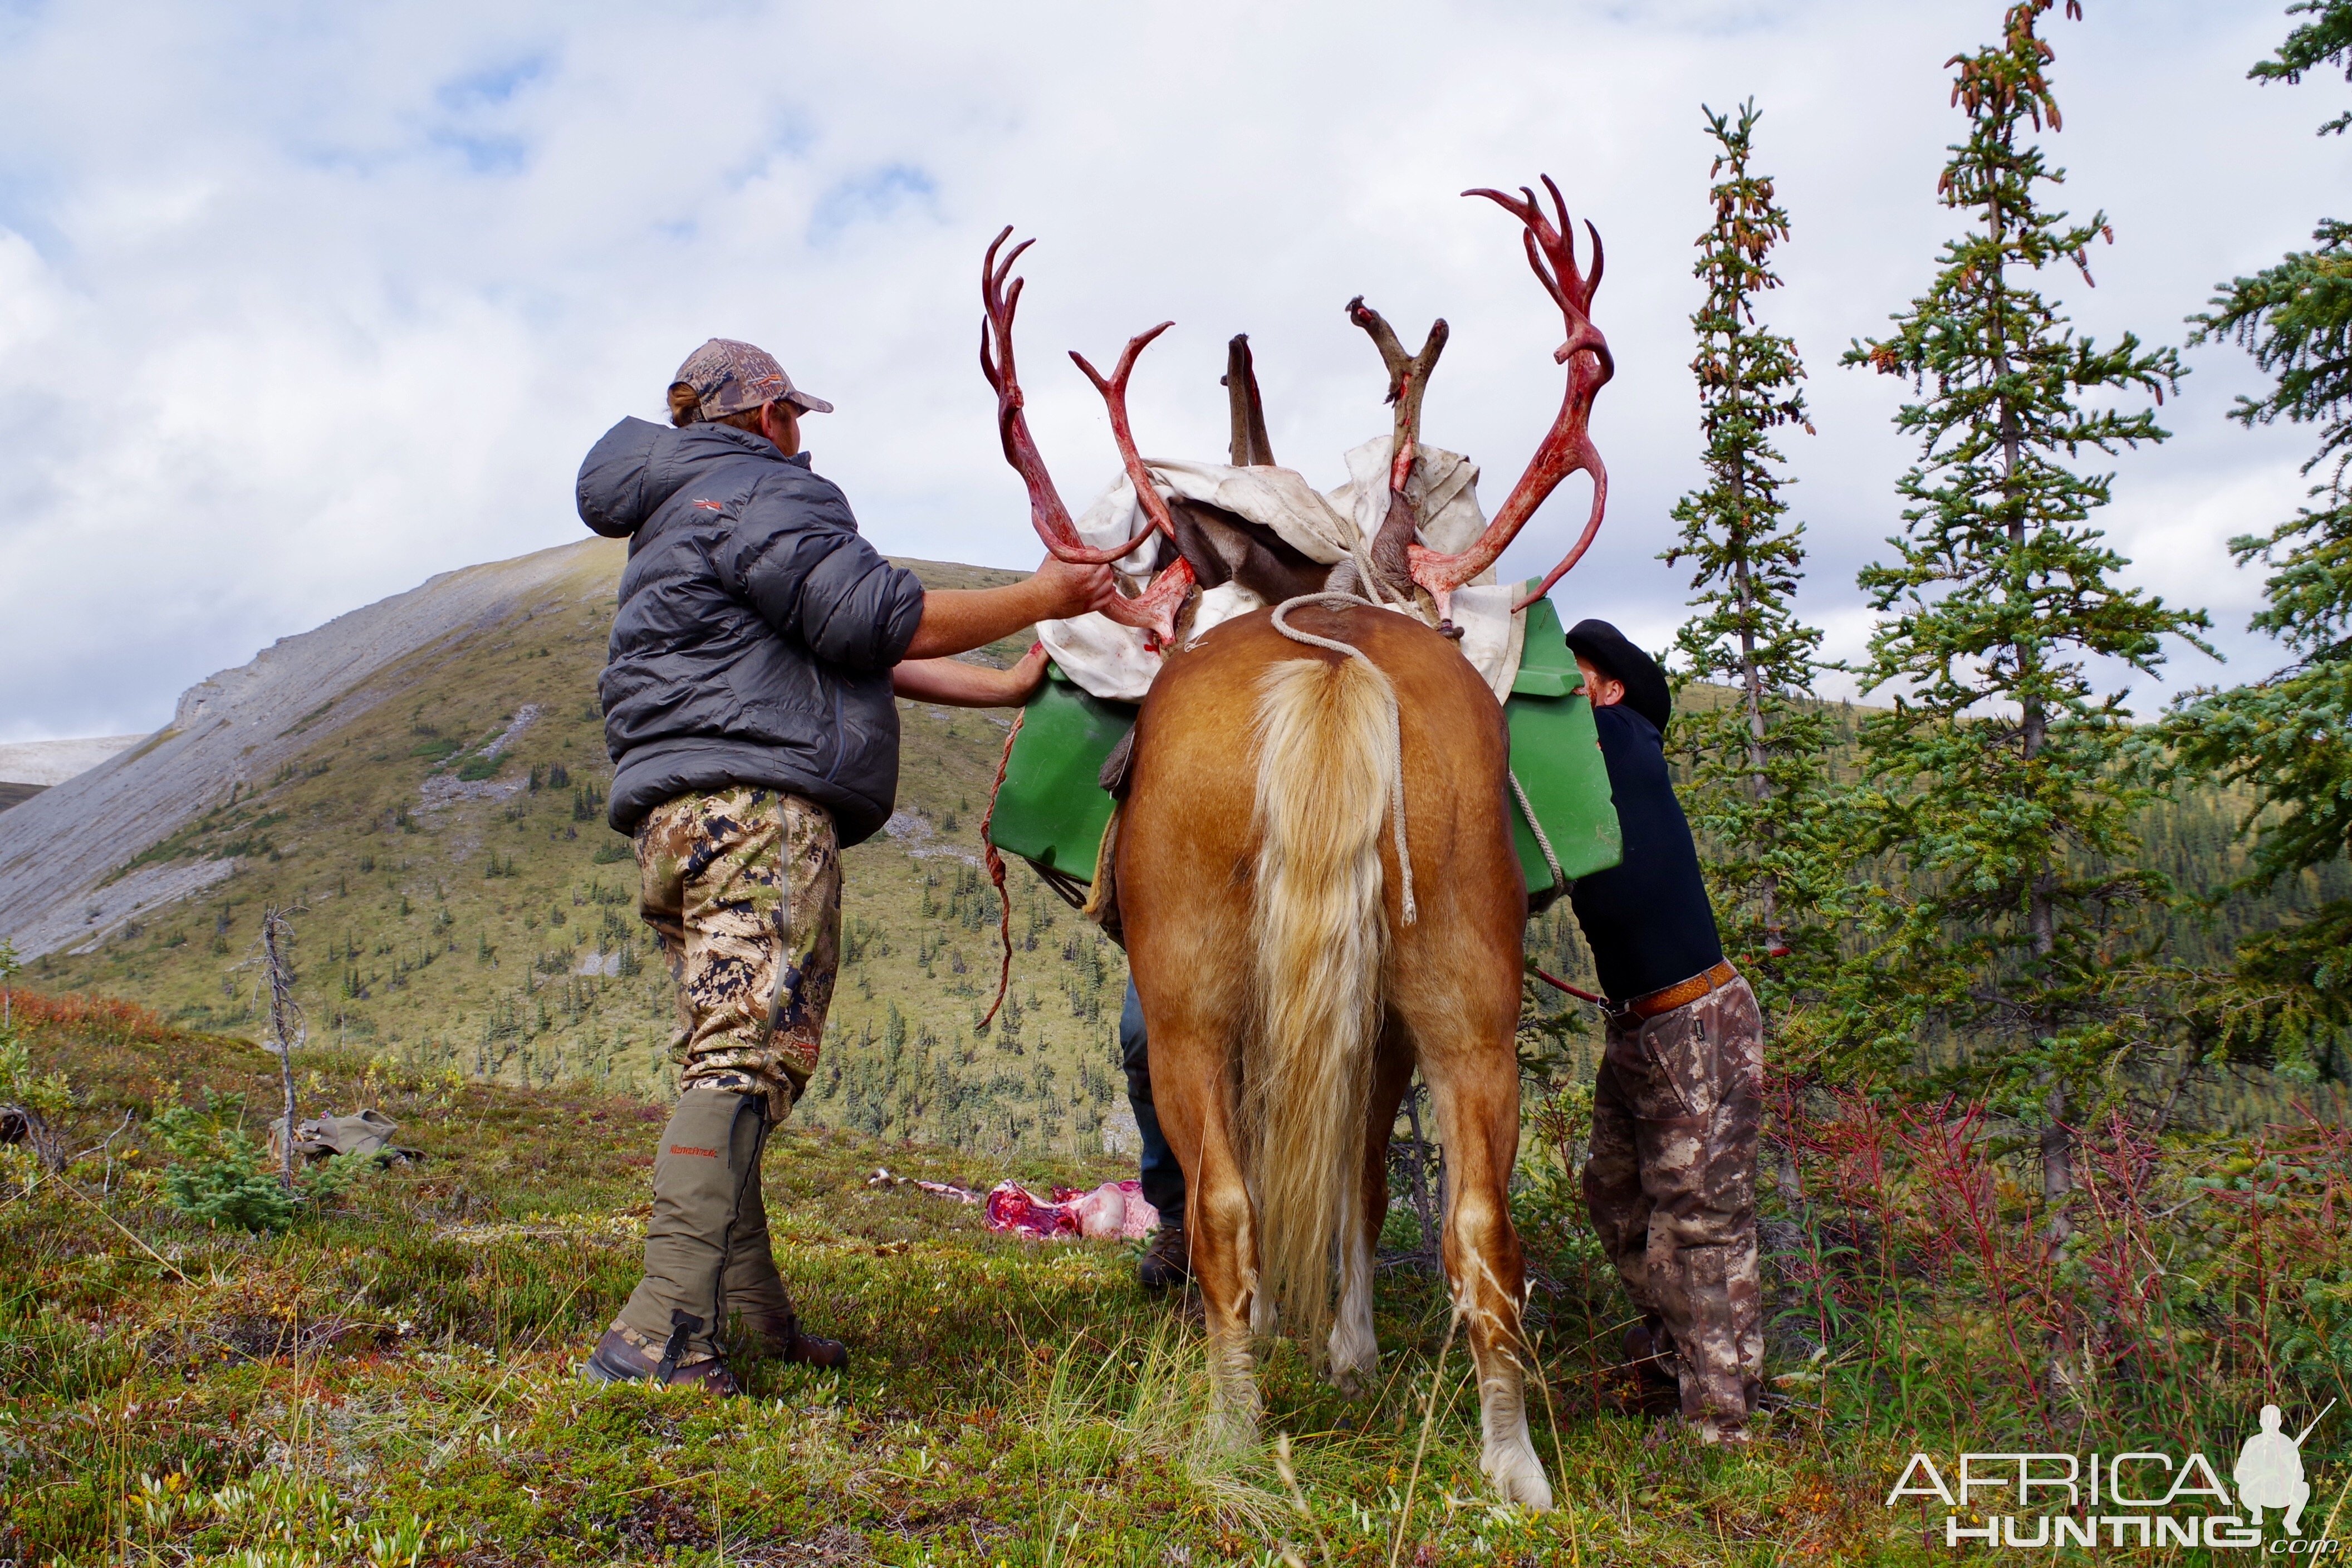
1559, 878
1396, 721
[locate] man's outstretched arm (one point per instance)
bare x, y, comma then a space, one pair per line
957, 620
955, 684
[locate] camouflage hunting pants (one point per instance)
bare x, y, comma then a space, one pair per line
1671, 1183
743, 888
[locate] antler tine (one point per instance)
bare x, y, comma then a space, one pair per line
1384, 339
998, 302
1251, 446
1540, 237
1551, 246
1544, 275
999, 305
1114, 396
1563, 235
1566, 447
1155, 609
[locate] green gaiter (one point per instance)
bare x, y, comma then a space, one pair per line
710, 1154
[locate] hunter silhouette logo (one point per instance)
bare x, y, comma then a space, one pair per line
2141, 1498
2269, 1472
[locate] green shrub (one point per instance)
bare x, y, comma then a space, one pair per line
32, 1102
476, 768
217, 1175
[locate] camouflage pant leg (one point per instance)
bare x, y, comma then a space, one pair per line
1671, 1183
1613, 1188
743, 886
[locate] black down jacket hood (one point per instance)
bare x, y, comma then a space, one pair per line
756, 630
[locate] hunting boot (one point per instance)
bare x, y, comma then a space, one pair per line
670, 1331
1169, 1261
760, 1313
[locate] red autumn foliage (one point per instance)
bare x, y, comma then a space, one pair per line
102, 1019
2207, 1272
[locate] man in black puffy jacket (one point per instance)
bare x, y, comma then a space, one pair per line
750, 711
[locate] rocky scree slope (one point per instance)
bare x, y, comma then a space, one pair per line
66, 875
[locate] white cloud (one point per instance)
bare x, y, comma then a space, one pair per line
300, 305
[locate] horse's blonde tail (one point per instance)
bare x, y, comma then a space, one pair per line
1326, 767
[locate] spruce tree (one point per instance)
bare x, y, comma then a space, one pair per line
2288, 1000
1997, 785
1757, 780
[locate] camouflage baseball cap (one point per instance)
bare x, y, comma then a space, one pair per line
729, 377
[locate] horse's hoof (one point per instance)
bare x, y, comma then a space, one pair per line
1355, 1360
1519, 1477
1355, 1378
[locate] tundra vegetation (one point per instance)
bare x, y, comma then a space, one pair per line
2058, 1147
389, 1377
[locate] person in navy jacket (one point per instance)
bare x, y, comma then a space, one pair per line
1671, 1180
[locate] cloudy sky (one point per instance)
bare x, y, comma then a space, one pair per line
301, 304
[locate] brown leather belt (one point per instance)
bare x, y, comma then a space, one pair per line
1681, 995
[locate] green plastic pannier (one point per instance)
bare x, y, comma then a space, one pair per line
1053, 808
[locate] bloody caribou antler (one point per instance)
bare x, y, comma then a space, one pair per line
1155, 609
1408, 380
1046, 513
1568, 446
1165, 597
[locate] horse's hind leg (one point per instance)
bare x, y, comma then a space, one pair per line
1224, 1261
1355, 1348
1193, 1024
1469, 1060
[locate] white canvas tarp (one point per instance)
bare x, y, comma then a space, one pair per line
1109, 659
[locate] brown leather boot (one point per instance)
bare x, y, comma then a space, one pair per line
1168, 1262
774, 1333
619, 1358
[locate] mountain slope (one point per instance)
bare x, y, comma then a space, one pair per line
28, 767
424, 782
62, 873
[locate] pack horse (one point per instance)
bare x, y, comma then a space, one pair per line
1315, 873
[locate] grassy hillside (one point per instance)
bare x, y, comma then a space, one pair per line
391, 1381
463, 906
